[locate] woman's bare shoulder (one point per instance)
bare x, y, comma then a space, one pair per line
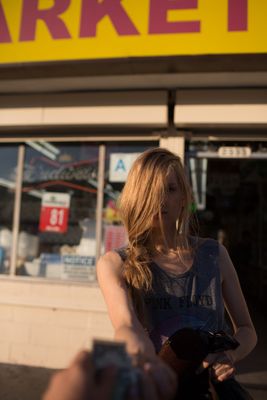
110, 261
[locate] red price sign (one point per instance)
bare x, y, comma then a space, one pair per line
54, 212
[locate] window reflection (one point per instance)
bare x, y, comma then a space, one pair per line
57, 223
8, 164
119, 158
57, 227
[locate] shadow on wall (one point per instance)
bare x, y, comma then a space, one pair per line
19, 382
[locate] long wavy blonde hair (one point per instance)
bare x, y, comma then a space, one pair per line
141, 202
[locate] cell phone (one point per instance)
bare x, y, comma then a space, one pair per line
107, 353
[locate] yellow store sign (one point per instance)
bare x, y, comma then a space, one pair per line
50, 30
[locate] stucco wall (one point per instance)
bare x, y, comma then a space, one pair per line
43, 324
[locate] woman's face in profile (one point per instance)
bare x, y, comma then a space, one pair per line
172, 202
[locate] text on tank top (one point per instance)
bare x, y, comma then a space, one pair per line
192, 299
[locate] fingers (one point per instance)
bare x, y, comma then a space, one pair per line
207, 362
105, 383
220, 364
65, 385
164, 379
157, 381
148, 387
78, 381
222, 369
81, 370
82, 358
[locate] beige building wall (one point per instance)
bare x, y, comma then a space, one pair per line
44, 324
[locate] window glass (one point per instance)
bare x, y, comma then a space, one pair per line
8, 165
119, 158
58, 211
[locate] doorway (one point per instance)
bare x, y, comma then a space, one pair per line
232, 207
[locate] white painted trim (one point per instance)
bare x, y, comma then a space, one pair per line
155, 115
220, 114
155, 136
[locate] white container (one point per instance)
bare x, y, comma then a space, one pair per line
28, 245
5, 238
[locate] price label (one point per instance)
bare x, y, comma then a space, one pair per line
54, 212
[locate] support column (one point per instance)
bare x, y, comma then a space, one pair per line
176, 144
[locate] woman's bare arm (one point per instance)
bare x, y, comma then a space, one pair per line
236, 306
120, 307
222, 364
128, 328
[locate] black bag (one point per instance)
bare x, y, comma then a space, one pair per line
185, 350
230, 389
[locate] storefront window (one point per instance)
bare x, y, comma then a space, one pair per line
58, 211
8, 164
119, 158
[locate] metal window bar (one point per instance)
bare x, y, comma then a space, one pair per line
17, 208
100, 199
199, 190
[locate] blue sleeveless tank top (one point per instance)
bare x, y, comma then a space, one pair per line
193, 299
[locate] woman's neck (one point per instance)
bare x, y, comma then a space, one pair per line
175, 254
169, 243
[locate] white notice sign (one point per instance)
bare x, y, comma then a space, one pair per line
120, 165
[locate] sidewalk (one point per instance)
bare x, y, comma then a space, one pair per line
252, 371
27, 383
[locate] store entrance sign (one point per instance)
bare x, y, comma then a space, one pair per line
54, 212
120, 164
93, 11
41, 30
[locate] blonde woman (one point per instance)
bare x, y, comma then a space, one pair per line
165, 279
